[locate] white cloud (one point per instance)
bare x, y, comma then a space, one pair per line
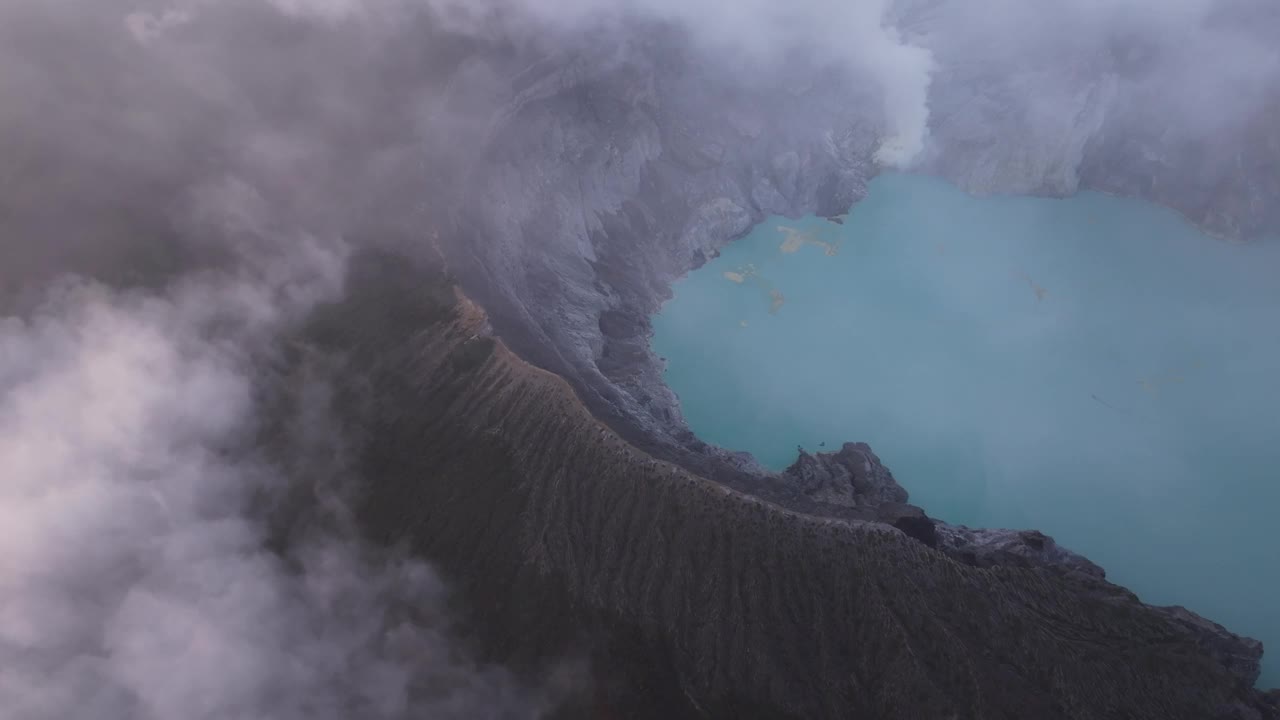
134, 584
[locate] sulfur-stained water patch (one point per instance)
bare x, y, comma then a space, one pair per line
749, 274
795, 238
1094, 368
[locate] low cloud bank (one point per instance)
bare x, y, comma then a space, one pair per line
136, 579
179, 181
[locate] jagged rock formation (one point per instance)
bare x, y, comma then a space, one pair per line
695, 600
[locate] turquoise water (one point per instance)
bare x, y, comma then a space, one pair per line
1093, 367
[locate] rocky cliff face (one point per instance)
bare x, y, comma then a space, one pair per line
692, 599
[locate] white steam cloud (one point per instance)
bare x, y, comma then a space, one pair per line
134, 584
851, 34
1199, 67
1196, 63
139, 578
755, 35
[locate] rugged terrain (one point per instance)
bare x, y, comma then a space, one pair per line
694, 600
612, 174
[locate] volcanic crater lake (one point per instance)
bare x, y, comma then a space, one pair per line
1092, 367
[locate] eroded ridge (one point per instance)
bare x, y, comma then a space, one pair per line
695, 600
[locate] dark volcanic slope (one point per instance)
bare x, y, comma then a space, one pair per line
695, 600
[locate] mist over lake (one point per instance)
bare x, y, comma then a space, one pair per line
1094, 367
